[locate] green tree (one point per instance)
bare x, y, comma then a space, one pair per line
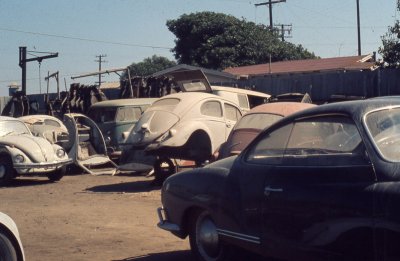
149, 66
390, 50
217, 41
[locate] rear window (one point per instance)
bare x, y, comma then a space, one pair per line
128, 114
102, 115
257, 121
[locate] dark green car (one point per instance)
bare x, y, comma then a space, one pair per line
116, 118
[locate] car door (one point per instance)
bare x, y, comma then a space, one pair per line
232, 115
318, 201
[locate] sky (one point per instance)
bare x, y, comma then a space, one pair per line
128, 31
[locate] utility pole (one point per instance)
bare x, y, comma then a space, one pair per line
358, 28
270, 3
281, 28
23, 60
100, 61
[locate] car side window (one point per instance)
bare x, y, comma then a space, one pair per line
232, 113
211, 108
270, 149
325, 141
51, 123
243, 103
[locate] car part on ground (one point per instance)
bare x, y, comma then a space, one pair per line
87, 146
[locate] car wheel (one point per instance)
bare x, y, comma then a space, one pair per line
7, 172
163, 168
204, 239
57, 174
7, 250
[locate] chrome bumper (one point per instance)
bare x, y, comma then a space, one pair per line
42, 165
164, 224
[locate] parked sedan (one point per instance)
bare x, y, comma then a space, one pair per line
21, 153
10, 243
323, 183
253, 122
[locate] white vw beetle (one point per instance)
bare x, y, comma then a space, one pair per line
186, 125
21, 153
10, 243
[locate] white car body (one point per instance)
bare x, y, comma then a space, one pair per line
184, 126
9, 230
22, 153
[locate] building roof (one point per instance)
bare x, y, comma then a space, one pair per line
363, 62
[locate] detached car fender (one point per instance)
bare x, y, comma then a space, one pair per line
8, 226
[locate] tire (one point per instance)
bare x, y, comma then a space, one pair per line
57, 174
204, 239
161, 171
7, 172
7, 250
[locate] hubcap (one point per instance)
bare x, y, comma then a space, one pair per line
207, 238
2, 171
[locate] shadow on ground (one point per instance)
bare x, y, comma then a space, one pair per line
27, 182
183, 255
126, 187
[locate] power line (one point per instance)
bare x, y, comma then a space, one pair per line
84, 39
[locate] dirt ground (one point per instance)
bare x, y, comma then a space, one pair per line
84, 217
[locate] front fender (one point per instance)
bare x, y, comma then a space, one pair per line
199, 188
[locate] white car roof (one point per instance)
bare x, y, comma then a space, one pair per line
189, 99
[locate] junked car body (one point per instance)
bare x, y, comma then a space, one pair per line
116, 118
320, 184
86, 145
253, 122
46, 126
21, 153
196, 81
10, 243
182, 125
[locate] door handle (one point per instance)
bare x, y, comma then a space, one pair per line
268, 190
228, 125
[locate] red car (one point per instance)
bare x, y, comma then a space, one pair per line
253, 122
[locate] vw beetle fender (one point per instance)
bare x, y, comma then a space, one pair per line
179, 134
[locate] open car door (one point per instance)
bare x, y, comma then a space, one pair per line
87, 146
191, 81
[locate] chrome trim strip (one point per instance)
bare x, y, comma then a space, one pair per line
243, 237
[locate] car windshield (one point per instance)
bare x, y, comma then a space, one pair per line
12, 128
257, 121
384, 127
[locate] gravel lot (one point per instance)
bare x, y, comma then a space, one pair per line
86, 217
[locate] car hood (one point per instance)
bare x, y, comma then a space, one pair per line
36, 148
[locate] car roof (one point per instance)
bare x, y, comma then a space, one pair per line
241, 91
7, 118
280, 108
356, 109
188, 99
124, 102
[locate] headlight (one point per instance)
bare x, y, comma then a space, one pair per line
60, 153
19, 159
